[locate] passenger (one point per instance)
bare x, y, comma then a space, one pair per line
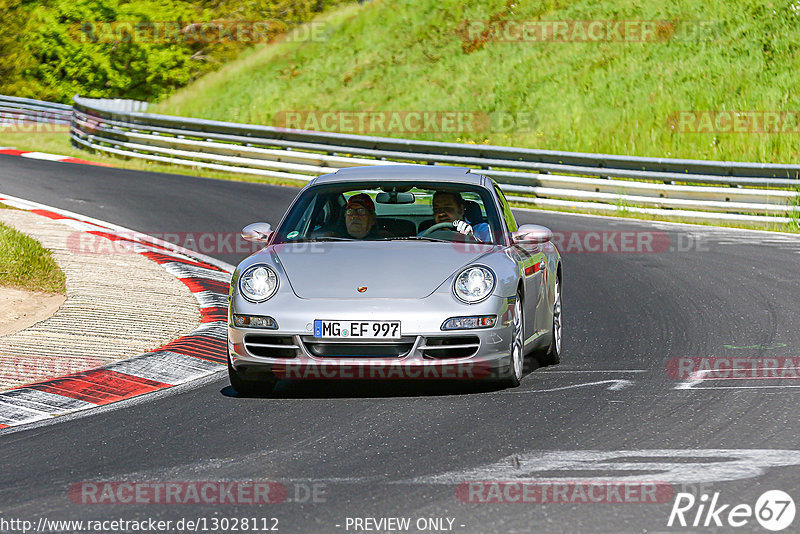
359, 217
449, 207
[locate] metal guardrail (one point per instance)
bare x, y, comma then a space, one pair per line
761, 193
683, 189
22, 110
120, 105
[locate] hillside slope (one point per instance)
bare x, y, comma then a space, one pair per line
612, 96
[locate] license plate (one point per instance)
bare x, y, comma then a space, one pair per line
357, 329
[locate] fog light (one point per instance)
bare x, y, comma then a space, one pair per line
463, 323
254, 321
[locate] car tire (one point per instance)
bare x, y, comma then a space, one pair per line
516, 363
553, 354
248, 387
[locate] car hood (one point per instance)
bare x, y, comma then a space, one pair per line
394, 269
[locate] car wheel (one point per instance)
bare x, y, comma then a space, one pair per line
553, 355
517, 353
248, 387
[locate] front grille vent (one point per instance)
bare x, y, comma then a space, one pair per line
363, 349
270, 346
443, 347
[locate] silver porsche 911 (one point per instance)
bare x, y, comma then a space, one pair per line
394, 272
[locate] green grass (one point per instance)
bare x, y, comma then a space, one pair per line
25, 264
608, 97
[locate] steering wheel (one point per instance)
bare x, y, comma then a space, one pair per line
437, 226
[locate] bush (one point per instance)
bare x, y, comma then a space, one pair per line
83, 47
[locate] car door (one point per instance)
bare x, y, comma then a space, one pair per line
533, 261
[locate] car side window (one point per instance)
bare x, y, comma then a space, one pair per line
511, 223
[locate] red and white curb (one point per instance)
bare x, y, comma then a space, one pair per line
193, 356
10, 151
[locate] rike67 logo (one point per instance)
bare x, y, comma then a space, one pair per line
774, 510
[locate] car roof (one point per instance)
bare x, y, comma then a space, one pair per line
383, 173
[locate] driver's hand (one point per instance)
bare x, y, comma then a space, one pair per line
462, 227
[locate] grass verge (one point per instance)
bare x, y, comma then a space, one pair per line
26, 264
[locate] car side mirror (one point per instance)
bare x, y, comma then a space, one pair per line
531, 233
257, 232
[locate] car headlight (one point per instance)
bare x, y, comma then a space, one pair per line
474, 284
258, 283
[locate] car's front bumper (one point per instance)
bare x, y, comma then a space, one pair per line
478, 353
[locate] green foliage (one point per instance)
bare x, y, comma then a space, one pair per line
12, 56
81, 47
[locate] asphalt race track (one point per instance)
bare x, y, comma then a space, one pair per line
392, 450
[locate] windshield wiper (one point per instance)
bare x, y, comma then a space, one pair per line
415, 238
316, 239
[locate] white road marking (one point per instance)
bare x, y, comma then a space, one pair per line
620, 384
698, 377
669, 466
747, 387
673, 466
616, 385
44, 156
694, 379
600, 371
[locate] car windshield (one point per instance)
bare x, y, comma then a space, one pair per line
392, 211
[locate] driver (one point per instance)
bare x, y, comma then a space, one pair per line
449, 207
